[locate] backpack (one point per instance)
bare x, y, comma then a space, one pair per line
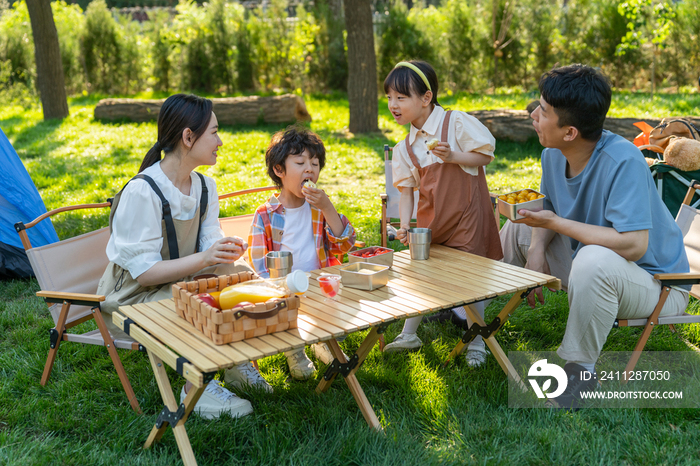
678, 127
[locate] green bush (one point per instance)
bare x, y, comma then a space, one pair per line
244, 61
70, 24
102, 49
328, 68
17, 46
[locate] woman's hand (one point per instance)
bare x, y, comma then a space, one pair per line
225, 251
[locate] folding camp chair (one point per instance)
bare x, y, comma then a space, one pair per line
390, 201
239, 225
689, 221
671, 183
68, 273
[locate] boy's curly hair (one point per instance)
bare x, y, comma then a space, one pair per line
292, 141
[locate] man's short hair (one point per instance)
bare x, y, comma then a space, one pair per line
580, 95
292, 141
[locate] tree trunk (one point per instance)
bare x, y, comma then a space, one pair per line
49, 69
362, 67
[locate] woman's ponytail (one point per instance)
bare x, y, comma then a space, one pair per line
178, 112
152, 156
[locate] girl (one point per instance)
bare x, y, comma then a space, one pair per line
165, 228
454, 200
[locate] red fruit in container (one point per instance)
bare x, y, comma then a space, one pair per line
209, 299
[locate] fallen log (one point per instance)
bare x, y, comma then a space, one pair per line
516, 125
251, 110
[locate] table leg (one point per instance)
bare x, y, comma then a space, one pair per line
362, 353
496, 349
354, 385
490, 339
166, 392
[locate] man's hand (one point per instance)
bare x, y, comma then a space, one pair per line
536, 261
541, 219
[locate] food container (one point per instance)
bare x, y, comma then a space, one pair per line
365, 276
511, 210
385, 258
238, 323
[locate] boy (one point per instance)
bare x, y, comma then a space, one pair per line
301, 219
604, 232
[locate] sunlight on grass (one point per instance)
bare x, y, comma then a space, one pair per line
428, 387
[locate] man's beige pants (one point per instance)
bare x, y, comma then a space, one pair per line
602, 287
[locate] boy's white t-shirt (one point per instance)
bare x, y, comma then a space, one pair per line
298, 238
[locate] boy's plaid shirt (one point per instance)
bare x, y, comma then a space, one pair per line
268, 226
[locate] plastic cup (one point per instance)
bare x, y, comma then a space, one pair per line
330, 285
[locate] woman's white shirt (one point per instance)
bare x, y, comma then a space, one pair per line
137, 234
465, 134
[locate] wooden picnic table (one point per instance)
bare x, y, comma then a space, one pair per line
447, 279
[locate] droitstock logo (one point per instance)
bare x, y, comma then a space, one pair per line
543, 369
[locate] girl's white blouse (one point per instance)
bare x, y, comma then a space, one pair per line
465, 134
137, 235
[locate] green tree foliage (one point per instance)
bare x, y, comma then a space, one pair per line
400, 39
221, 47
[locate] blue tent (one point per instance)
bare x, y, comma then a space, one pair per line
19, 202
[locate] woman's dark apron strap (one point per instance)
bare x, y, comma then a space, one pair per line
203, 203
167, 216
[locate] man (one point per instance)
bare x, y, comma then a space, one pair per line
604, 230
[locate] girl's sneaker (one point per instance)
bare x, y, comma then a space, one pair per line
476, 357
324, 354
246, 374
405, 341
217, 400
300, 366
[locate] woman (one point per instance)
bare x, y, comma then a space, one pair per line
165, 228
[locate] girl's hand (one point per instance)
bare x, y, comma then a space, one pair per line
402, 235
317, 198
225, 251
443, 152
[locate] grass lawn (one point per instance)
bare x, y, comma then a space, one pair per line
431, 415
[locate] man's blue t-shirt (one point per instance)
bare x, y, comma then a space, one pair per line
615, 190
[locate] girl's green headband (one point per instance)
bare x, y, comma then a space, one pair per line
417, 70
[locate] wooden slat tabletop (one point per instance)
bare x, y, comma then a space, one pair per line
449, 278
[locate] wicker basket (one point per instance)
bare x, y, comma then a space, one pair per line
229, 325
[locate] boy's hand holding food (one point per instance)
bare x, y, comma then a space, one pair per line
316, 197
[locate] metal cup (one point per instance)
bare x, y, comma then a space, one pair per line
279, 263
419, 243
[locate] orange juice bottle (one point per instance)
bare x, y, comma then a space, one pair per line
260, 290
